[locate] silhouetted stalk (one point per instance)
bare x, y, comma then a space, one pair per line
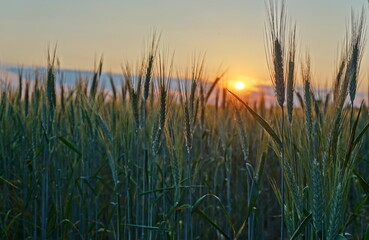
282, 172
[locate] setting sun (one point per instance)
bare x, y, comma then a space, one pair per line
243, 83
240, 85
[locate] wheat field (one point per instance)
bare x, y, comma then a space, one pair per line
163, 155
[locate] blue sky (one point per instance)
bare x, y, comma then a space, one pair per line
231, 33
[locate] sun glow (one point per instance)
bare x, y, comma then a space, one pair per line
244, 83
240, 85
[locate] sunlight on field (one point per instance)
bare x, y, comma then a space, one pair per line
164, 149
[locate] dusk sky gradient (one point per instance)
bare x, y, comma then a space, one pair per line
231, 33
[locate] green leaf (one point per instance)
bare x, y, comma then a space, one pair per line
362, 181
212, 87
11, 223
361, 134
301, 227
175, 208
252, 203
254, 194
104, 230
69, 145
208, 219
168, 189
260, 169
9, 183
352, 137
260, 120
146, 227
201, 199
341, 237
366, 236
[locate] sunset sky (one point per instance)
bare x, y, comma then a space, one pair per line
231, 33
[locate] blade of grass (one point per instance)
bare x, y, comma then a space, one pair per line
259, 119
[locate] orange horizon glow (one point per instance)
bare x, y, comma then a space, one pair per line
243, 83
120, 41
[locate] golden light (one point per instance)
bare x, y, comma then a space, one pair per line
240, 85
243, 83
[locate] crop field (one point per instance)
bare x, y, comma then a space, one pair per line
172, 154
